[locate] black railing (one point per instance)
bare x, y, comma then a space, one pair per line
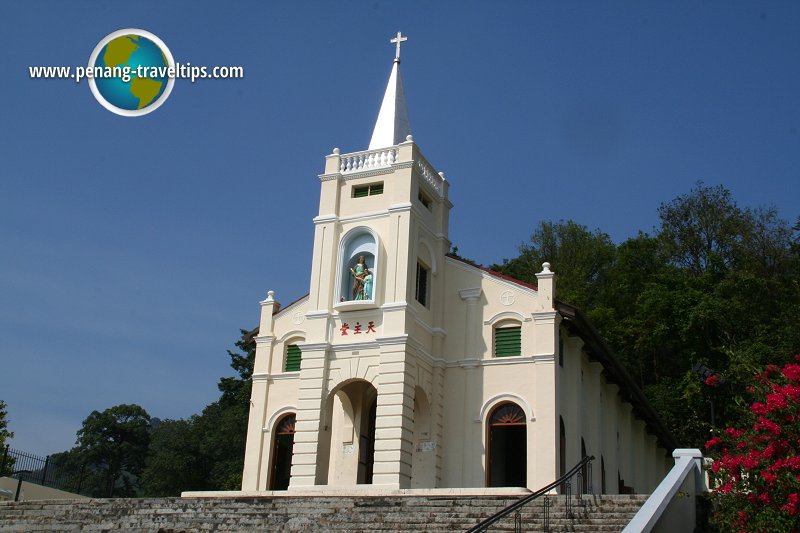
40, 470
581, 471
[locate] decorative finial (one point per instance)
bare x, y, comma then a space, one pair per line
399, 39
335, 151
270, 295
545, 267
409, 138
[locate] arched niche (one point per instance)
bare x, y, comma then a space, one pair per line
358, 266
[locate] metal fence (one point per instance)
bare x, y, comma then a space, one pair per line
44, 471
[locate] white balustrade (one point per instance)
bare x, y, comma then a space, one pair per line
430, 175
385, 157
361, 161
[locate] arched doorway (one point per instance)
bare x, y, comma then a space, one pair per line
507, 442
282, 446
349, 434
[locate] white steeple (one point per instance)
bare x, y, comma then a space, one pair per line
392, 125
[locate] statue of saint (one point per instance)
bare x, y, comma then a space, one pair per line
358, 278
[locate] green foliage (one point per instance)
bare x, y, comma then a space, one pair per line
110, 450
5, 435
584, 259
715, 283
174, 462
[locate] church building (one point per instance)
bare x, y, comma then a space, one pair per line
406, 367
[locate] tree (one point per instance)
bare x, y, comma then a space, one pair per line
583, 259
174, 460
111, 447
704, 287
5, 435
702, 230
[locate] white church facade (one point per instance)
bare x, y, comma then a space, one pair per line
408, 368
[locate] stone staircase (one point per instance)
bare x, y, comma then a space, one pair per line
311, 513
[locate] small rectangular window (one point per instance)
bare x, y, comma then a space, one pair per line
424, 200
293, 356
508, 341
368, 190
421, 292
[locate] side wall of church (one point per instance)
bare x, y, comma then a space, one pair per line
598, 422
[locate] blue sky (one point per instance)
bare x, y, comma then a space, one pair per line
132, 250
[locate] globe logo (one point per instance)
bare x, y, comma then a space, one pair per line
131, 72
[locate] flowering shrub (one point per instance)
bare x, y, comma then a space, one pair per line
756, 469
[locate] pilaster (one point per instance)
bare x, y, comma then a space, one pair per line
308, 467
472, 434
394, 422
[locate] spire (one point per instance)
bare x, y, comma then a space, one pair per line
392, 125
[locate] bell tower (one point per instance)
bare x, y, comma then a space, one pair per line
375, 305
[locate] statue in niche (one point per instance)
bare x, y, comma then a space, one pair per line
367, 284
358, 278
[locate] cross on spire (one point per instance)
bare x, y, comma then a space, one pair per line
399, 39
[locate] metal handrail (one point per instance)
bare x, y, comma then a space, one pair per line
484, 525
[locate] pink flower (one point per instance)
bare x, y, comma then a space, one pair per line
767, 425
712, 380
792, 372
776, 401
713, 442
791, 504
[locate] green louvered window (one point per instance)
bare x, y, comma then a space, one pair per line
507, 341
292, 358
368, 190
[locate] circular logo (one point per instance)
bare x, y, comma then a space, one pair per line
131, 72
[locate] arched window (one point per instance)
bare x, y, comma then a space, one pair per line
507, 446
291, 362
358, 264
282, 449
508, 339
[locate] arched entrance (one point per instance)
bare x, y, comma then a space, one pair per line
507, 443
282, 446
350, 428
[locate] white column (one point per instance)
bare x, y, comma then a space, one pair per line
613, 466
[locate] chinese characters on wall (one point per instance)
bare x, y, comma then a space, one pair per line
357, 329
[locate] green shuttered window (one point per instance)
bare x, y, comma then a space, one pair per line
292, 358
368, 190
507, 341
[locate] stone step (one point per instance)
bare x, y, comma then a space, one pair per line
318, 513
